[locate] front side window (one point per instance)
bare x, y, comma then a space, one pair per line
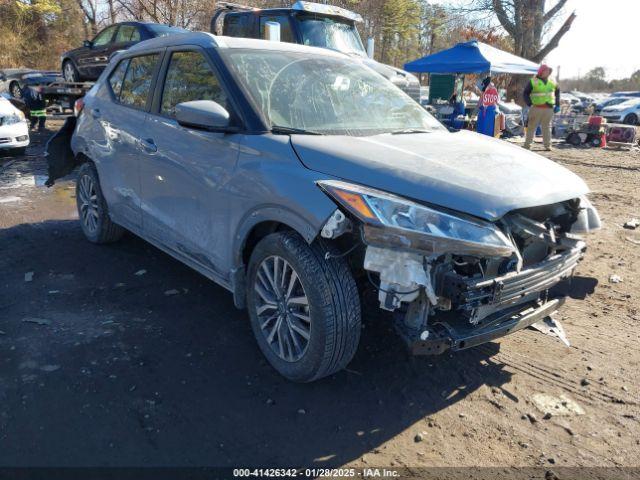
285, 27
104, 37
127, 33
326, 94
137, 80
116, 77
190, 77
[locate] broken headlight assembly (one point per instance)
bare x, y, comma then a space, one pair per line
392, 221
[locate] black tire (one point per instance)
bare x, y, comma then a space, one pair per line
70, 72
333, 306
574, 139
15, 90
631, 119
101, 229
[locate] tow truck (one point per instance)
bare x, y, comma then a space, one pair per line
308, 23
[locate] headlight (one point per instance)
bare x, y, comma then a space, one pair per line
390, 220
13, 119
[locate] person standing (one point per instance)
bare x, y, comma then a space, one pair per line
36, 104
542, 95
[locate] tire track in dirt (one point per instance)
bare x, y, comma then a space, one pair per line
561, 378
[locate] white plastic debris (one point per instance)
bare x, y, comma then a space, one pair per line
28, 276
556, 406
615, 278
632, 224
552, 327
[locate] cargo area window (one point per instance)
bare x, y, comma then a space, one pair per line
189, 77
116, 77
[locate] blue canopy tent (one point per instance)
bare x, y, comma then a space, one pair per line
472, 57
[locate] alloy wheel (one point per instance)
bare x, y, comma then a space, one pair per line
69, 73
89, 213
282, 308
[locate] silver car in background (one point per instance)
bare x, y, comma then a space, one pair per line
296, 177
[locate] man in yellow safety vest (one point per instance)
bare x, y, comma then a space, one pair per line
542, 95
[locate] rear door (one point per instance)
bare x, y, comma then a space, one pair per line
122, 118
92, 60
184, 203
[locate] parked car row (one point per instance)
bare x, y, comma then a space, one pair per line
13, 80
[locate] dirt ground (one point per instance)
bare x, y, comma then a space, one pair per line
99, 366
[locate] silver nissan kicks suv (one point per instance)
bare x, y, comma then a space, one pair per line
293, 175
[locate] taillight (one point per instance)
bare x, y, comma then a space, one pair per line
78, 106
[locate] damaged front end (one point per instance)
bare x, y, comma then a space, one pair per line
455, 282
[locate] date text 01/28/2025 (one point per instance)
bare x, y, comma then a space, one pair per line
315, 472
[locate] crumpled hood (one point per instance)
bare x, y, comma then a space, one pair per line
463, 171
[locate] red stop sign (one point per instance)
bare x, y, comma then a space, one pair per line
490, 96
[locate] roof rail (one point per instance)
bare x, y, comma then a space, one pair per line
235, 6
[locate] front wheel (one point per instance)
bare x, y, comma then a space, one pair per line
631, 119
92, 208
304, 309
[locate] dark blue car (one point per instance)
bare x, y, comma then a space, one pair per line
88, 62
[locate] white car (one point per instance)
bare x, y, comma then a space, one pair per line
14, 130
626, 112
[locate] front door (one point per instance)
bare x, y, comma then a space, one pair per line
183, 183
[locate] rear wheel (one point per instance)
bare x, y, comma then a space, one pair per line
304, 309
574, 139
69, 72
631, 119
92, 208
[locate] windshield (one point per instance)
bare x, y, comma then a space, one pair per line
325, 94
327, 32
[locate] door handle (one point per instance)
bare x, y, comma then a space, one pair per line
148, 145
95, 112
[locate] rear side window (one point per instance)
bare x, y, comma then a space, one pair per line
116, 77
238, 25
127, 33
137, 80
285, 28
189, 77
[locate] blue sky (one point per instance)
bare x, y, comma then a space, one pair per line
606, 33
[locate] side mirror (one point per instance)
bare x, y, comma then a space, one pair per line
205, 114
87, 43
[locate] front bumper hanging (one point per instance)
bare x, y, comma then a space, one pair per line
443, 337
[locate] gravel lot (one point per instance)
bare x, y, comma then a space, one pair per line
100, 366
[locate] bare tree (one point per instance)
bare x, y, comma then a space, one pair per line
526, 22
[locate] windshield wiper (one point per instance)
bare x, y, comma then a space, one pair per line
409, 130
282, 130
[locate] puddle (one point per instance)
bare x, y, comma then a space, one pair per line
19, 181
